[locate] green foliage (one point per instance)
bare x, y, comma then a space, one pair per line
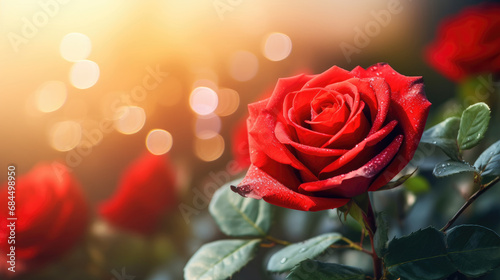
315, 270
473, 125
488, 163
238, 216
220, 259
474, 250
417, 185
286, 258
430, 254
444, 135
421, 255
451, 167
381, 235
394, 184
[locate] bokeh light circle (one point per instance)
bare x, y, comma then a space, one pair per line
209, 149
84, 74
277, 46
203, 100
159, 141
130, 119
65, 135
208, 126
229, 101
51, 96
75, 47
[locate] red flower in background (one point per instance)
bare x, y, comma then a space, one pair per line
468, 43
239, 148
52, 215
320, 140
146, 192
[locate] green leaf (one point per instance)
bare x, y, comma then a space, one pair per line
474, 250
451, 167
421, 255
417, 185
398, 182
220, 259
381, 235
239, 216
444, 135
473, 125
286, 258
356, 213
315, 270
488, 163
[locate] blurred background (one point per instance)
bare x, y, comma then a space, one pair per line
96, 84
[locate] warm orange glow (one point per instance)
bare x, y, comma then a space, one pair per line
159, 141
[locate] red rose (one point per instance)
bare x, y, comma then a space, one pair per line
320, 140
239, 146
468, 43
146, 192
52, 215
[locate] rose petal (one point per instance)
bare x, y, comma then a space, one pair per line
358, 181
410, 107
329, 120
259, 184
284, 87
353, 132
354, 153
330, 76
305, 135
263, 139
383, 98
313, 158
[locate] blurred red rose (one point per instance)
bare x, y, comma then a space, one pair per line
52, 215
320, 140
239, 147
468, 43
146, 192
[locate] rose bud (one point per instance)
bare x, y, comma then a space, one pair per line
468, 43
52, 216
320, 140
146, 192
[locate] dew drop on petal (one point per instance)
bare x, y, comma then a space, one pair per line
302, 250
283, 260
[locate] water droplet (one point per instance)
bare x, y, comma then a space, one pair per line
283, 260
302, 250
393, 73
374, 68
434, 142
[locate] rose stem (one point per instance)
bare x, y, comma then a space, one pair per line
372, 228
481, 190
277, 241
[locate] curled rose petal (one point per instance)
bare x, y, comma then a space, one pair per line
260, 185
